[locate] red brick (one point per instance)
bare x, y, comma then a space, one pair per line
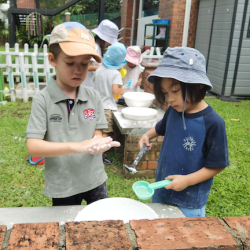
156, 147
157, 155
129, 156
241, 226
132, 146
97, 235
128, 163
149, 156
133, 138
34, 236
142, 165
2, 234
160, 138
183, 234
152, 164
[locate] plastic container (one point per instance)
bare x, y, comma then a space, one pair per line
138, 99
145, 191
139, 114
161, 21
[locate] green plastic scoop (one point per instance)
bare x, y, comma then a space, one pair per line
145, 191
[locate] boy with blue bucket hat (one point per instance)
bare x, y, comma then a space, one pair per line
194, 148
108, 82
66, 122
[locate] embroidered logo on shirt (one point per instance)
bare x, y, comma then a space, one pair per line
55, 118
189, 143
89, 114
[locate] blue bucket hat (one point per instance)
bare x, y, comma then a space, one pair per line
184, 64
114, 58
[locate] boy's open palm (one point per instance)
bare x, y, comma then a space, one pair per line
96, 145
179, 182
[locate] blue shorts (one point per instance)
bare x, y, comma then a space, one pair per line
193, 212
188, 212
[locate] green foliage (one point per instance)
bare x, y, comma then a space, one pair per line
3, 29
91, 6
22, 33
22, 184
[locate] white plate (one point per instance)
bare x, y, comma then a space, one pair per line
116, 209
139, 114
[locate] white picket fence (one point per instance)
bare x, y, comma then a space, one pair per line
20, 66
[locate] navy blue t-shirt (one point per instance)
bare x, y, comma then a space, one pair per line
202, 144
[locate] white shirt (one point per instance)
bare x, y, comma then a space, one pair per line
103, 80
89, 78
133, 73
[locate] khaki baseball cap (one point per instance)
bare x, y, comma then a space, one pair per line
74, 40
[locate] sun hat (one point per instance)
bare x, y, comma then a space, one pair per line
184, 64
114, 58
74, 40
134, 55
107, 31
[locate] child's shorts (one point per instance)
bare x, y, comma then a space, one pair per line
193, 212
110, 120
188, 212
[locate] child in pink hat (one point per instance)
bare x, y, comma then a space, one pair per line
133, 67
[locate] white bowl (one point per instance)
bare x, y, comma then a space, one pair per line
116, 209
139, 114
138, 99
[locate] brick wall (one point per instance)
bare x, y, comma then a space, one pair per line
168, 9
126, 21
148, 163
175, 11
130, 148
148, 87
208, 233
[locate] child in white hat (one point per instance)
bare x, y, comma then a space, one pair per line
133, 67
106, 34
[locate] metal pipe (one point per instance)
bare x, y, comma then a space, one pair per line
140, 8
186, 23
133, 24
101, 10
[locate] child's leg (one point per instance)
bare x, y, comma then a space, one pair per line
72, 200
193, 212
96, 194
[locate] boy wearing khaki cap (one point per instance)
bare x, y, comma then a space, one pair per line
66, 122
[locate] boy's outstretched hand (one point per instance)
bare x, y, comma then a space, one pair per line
179, 182
96, 145
103, 145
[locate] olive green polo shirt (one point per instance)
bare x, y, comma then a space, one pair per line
49, 120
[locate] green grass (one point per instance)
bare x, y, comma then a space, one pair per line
22, 184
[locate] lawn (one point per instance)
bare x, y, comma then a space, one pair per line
22, 184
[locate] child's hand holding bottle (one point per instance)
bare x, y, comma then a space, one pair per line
128, 85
